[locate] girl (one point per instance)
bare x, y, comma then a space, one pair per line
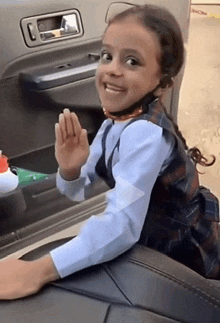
155, 197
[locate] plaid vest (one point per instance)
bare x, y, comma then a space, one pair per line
182, 218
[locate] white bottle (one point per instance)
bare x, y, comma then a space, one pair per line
8, 180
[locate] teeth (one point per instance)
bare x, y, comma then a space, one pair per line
112, 88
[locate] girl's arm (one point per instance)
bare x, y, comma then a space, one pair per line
143, 149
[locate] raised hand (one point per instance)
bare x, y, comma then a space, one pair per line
71, 147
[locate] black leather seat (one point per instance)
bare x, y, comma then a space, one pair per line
142, 285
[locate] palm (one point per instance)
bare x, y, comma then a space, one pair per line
71, 147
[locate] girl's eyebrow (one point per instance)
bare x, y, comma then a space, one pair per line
124, 49
106, 45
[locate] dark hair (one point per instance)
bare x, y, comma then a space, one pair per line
164, 25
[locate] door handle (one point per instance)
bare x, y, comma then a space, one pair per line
69, 26
40, 30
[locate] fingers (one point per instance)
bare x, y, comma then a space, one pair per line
69, 125
62, 127
58, 134
84, 139
76, 125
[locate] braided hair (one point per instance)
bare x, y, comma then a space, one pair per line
164, 25
194, 152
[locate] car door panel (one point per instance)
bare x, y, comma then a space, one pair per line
35, 114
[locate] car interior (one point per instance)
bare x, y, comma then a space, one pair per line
50, 52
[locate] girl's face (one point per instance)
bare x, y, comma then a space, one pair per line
129, 66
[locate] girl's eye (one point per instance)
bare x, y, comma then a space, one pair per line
132, 61
105, 56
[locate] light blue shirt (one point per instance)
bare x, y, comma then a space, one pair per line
143, 153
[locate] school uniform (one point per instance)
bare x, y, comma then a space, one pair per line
155, 198
182, 218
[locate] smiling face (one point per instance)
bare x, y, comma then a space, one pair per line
129, 66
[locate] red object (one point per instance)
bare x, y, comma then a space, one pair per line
3, 164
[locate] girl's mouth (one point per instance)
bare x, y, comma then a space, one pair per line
112, 88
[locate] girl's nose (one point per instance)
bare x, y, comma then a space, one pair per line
114, 68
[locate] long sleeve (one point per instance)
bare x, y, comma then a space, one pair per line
142, 152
